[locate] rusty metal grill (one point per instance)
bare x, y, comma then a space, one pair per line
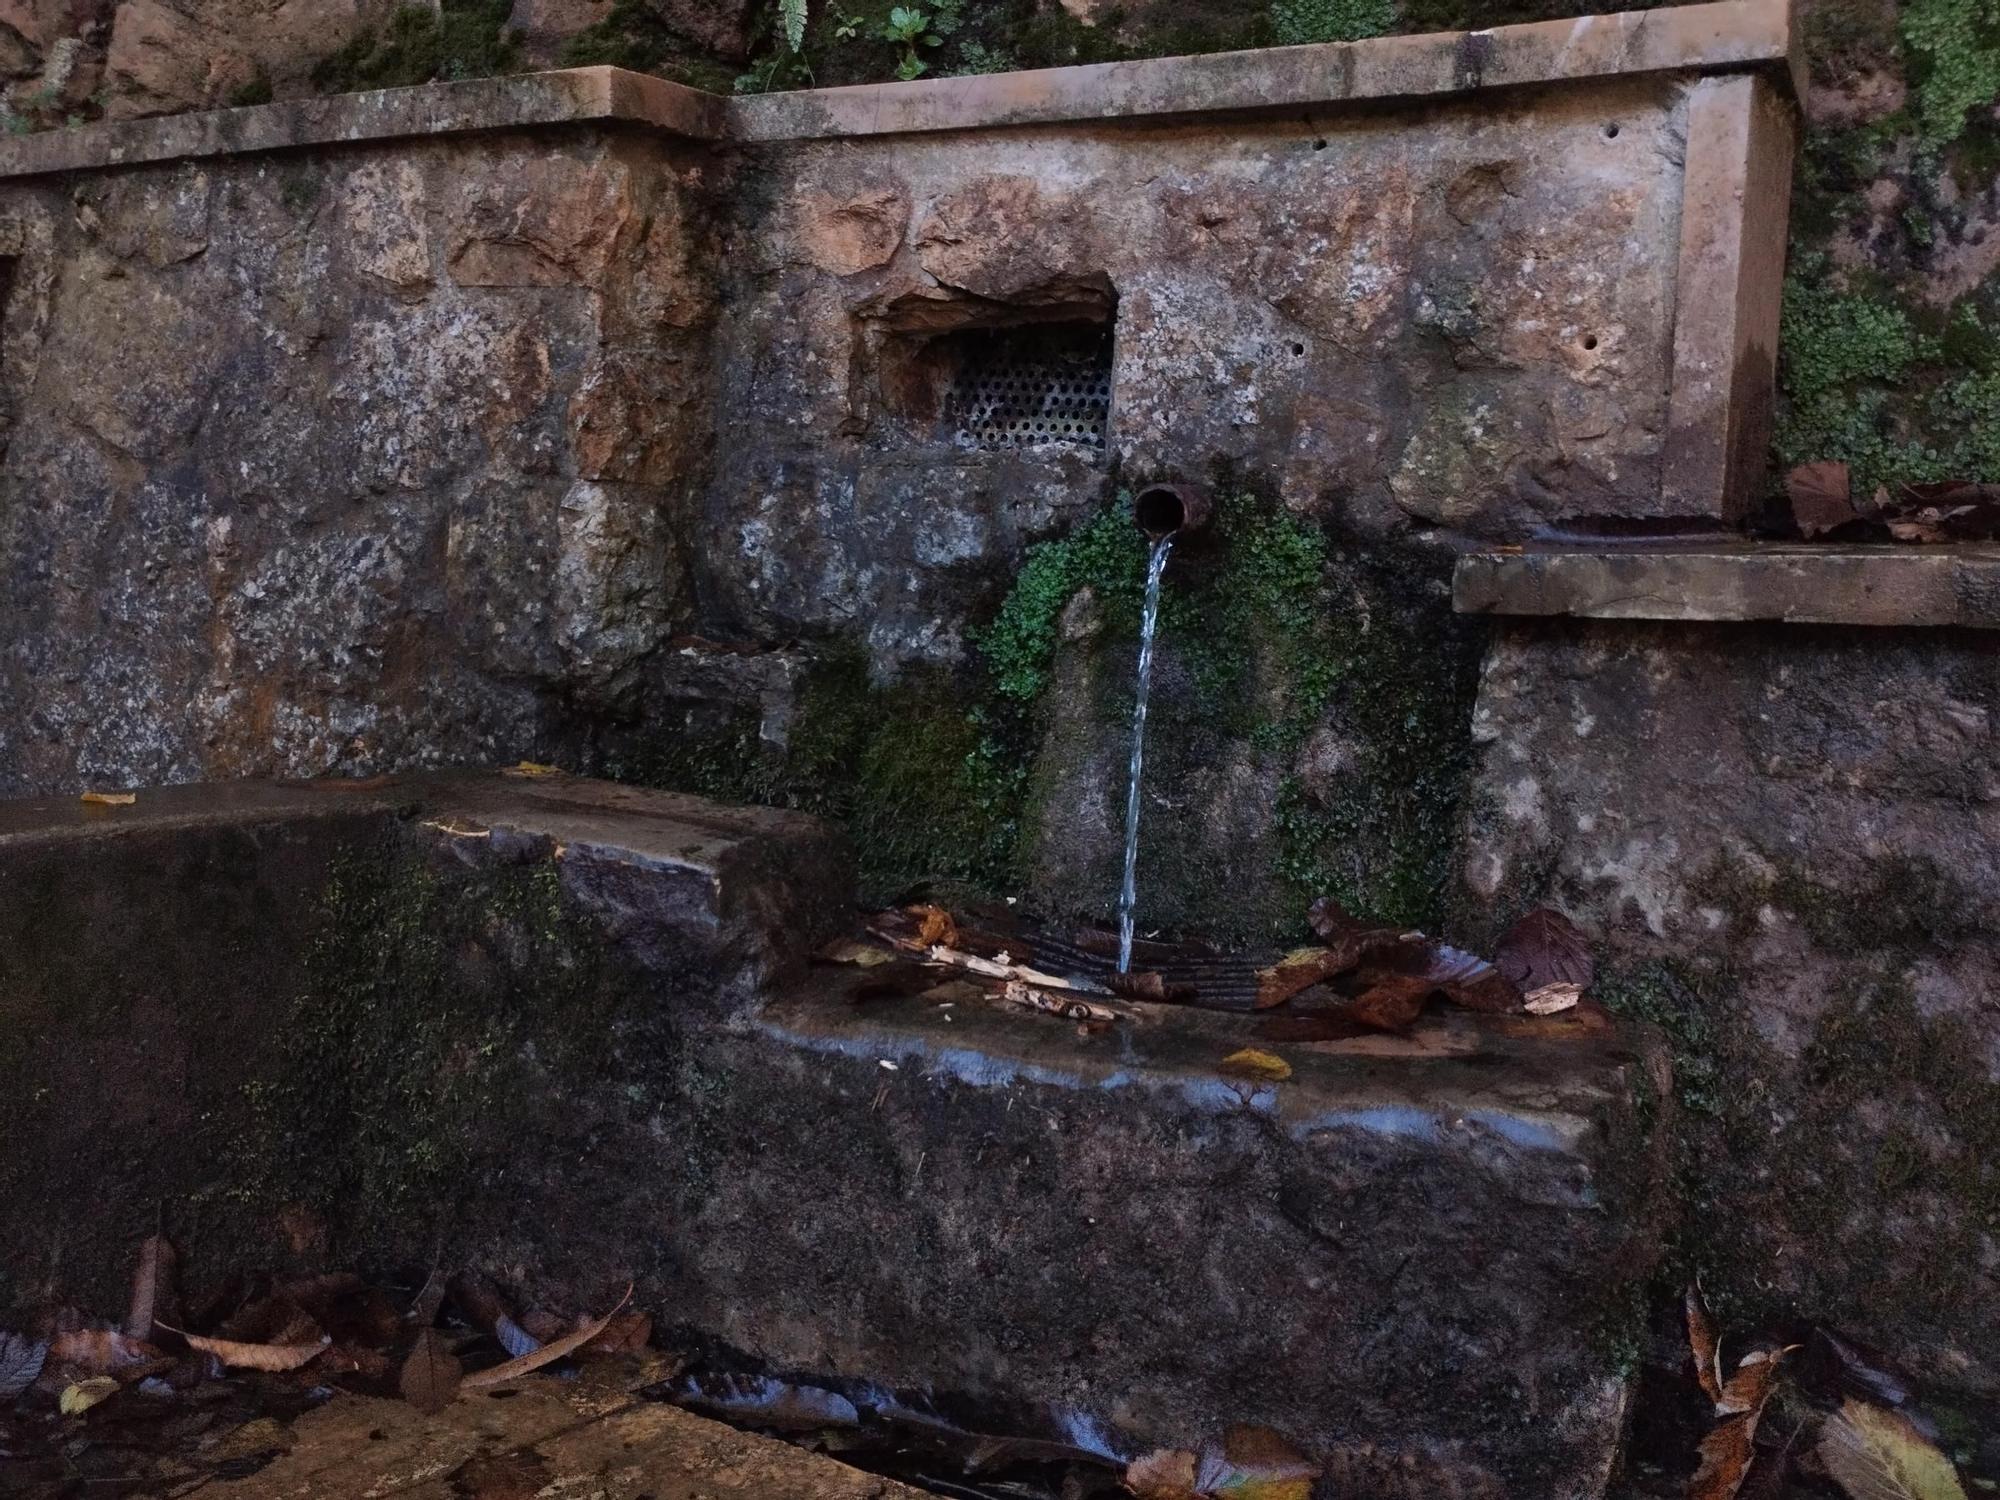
1018, 387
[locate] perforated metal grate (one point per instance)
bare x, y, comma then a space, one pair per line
1017, 387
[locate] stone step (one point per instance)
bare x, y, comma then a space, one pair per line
542, 1437
564, 1031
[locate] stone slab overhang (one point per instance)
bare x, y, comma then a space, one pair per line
1795, 583
1734, 36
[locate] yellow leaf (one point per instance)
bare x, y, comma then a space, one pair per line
79, 1398
109, 799
1165, 1475
1878, 1455
1251, 1063
532, 768
861, 955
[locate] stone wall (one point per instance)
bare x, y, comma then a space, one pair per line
1464, 320
383, 457
418, 435
1787, 840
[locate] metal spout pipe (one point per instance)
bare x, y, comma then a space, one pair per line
1176, 509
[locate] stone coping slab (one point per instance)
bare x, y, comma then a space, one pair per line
1798, 583
1721, 37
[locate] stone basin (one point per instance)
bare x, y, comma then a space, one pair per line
568, 1032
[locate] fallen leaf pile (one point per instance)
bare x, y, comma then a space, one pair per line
178, 1374
1360, 977
1823, 505
1868, 1448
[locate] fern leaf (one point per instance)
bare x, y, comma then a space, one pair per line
794, 13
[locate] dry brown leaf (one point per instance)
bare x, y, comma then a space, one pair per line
1392, 1003
935, 925
1299, 970
429, 1379
79, 1398
1252, 1063
1552, 999
1726, 1455
1822, 497
550, 1352
271, 1358
1727, 1452
1876, 1454
1750, 1386
532, 768
1545, 948
1165, 1475
109, 799
152, 1286
1704, 1345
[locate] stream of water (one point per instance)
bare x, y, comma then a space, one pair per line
1128, 893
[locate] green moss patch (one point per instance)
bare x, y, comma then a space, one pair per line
461, 39
436, 1003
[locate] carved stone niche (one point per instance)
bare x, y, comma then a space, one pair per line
942, 365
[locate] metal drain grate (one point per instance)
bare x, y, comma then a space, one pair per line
1016, 387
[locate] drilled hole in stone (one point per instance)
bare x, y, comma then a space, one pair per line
1611, 131
1590, 341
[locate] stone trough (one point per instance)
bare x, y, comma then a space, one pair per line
570, 1033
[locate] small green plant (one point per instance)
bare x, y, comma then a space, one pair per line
1295, 22
976, 57
256, 91
910, 29
792, 19
1954, 50
462, 39
846, 25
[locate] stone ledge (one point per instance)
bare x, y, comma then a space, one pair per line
1691, 39
1795, 583
1722, 37
576, 96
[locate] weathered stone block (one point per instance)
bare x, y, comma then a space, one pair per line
1784, 837
543, 1026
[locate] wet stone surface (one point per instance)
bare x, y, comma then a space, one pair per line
398, 1035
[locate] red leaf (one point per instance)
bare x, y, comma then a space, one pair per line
1545, 948
1821, 497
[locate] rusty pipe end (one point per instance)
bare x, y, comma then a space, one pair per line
1176, 509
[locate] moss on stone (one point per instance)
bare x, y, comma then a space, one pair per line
634, 35
1954, 52
428, 997
910, 769
459, 39
1797, 1168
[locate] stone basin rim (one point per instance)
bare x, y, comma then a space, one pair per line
1723, 36
1797, 583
